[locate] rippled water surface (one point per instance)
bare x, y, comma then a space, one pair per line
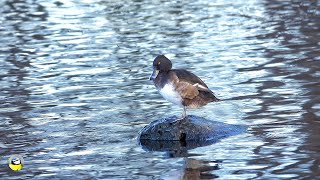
75, 90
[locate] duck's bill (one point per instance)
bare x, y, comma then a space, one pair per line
154, 74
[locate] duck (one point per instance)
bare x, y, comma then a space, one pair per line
179, 86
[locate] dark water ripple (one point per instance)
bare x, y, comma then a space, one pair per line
74, 91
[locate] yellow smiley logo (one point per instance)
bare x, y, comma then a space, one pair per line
16, 162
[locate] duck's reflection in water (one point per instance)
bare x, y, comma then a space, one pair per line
192, 168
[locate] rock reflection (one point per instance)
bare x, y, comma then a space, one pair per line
174, 148
192, 168
198, 169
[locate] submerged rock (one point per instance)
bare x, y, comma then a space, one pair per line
189, 133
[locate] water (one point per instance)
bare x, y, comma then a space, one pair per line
75, 90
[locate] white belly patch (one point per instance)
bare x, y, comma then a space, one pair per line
169, 93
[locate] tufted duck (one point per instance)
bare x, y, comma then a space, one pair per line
180, 86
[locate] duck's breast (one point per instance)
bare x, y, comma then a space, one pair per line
170, 94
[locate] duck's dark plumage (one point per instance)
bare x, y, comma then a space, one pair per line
205, 95
189, 77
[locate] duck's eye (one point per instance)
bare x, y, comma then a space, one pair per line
159, 63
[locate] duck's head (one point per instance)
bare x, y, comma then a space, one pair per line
160, 64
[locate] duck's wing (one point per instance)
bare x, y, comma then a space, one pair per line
189, 77
186, 90
187, 84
